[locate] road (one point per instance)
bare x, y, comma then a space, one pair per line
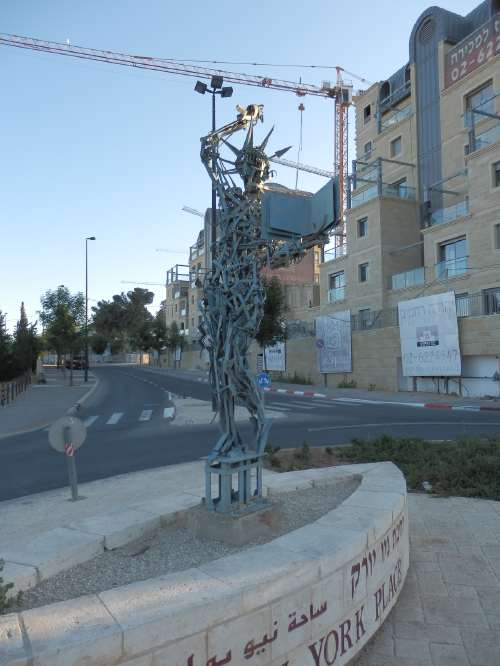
129, 429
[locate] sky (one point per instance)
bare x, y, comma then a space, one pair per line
91, 149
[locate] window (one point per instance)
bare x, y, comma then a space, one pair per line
452, 259
363, 272
492, 301
192, 300
497, 236
367, 113
337, 287
192, 321
496, 174
367, 149
362, 227
176, 307
396, 146
480, 100
398, 189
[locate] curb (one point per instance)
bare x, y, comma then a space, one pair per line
78, 405
70, 412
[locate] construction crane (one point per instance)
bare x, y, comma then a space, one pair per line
339, 91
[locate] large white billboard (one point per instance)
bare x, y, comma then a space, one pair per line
333, 342
275, 357
429, 336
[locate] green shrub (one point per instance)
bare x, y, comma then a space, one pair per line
468, 467
5, 601
347, 383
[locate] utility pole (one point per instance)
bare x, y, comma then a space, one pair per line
92, 238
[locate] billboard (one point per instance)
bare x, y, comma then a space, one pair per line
275, 357
333, 342
429, 336
477, 48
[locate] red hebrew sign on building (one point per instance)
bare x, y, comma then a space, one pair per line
477, 48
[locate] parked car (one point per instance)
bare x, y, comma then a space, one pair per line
78, 363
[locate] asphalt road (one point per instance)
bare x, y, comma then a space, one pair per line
129, 429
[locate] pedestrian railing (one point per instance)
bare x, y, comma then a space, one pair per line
9, 391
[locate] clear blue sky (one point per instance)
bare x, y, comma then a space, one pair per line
94, 149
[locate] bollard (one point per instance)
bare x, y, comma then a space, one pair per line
70, 459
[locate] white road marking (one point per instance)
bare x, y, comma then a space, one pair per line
411, 423
145, 415
168, 413
90, 420
114, 418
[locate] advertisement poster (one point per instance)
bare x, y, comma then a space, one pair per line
429, 336
333, 342
275, 357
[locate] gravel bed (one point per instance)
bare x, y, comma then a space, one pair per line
173, 549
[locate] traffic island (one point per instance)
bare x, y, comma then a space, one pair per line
314, 595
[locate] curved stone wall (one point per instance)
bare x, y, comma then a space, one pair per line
312, 597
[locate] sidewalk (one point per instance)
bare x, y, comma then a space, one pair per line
449, 609
42, 404
420, 399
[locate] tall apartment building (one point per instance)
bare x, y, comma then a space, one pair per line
424, 207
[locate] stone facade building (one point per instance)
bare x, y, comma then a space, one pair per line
424, 203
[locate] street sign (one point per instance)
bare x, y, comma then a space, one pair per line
66, 435
263, 380
77, 433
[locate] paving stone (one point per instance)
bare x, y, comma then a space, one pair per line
120, 527
431, 566
168, 509
431, 583
383, 642
12, 651
446, 610
415, 648
493, 555
493, 620
449, 655
468, 569
22, 576
489, 599
483, 647
460, 591
431, 632
55, 550
80, 631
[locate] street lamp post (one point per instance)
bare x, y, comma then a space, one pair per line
92, 238
226, 91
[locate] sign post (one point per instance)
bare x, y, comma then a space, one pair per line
263, 380
66, 435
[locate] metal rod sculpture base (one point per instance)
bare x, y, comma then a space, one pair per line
238, 482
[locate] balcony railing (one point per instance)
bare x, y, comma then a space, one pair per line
450, 213
484, 139
451, 268
408, 279
336, 294
364, 196
400, 191
395, 117
336, 252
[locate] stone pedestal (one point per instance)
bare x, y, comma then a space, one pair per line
237, 528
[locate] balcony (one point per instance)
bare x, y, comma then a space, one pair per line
484, 139
451, 268
450, 213
337, 294
408, 279
395, 117
364, 196
336, 252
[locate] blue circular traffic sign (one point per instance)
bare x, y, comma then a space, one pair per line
263, 379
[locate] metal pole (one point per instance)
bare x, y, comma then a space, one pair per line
86, 379
214, 199
70, 459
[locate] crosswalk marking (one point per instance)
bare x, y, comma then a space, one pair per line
145, 415
114, 418
90, 420
168, 413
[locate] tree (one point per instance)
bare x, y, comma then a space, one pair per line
125, 321
26, 344
272, 326
174, 338
63, 316
98, 343
6, 365
159, 332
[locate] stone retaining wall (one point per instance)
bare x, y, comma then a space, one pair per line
312, 597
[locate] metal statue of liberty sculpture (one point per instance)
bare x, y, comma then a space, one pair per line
233, 304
